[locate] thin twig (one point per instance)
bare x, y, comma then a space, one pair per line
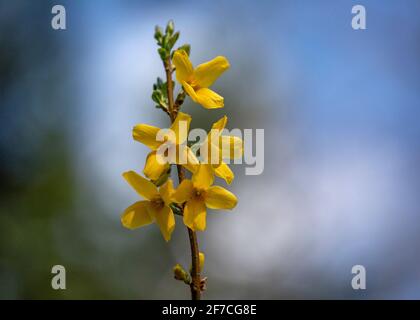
170, 87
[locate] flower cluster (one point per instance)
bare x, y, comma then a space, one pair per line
193, 196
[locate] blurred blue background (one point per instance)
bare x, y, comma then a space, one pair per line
340, 110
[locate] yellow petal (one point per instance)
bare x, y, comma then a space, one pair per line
203, 177
207, 73
154, 166
220, 198
220, 124
189, 160
144, 187
147, 135
209, 99
166, 191
165, 219
212, 141
192, 159
136, 215
231, 147
190, 91
184, 68
184, 192
195, 215
181, 126
190, 167
204, 96
223, 171
211, 153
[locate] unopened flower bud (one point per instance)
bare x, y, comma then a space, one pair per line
158, 34
181, 274
170, 27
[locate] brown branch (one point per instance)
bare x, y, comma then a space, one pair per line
170, 87
195, 266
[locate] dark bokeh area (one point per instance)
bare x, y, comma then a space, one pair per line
37, 183
339, 108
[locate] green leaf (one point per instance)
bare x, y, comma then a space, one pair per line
163, 53
173, 40
164, 90
162, 179
176, 209
157, 96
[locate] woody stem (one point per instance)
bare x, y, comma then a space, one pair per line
195, 260
195, 266
170, 86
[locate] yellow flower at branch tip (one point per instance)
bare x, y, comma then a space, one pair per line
218, 147
198, 193
154, 209
147, 134
196, 82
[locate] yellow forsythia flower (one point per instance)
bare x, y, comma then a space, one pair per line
146, 134
199, 194
155, 208
219, 146
196, 82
